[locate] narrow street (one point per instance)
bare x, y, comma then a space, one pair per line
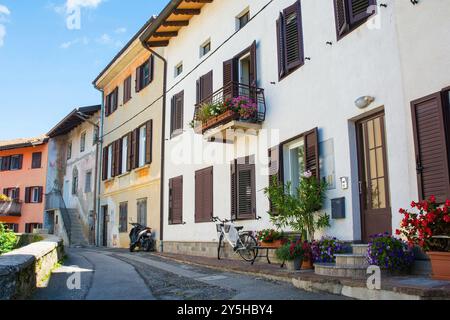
115, 274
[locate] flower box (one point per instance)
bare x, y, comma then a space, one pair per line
273, 244
440, 264
220, 119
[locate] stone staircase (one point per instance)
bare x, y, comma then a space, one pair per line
77, 237
350, 265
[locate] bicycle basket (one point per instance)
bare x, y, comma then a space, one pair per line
219, 227
227, 228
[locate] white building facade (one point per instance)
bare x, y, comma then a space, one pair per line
71, 177
315, 62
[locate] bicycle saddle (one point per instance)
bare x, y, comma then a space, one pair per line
239, 228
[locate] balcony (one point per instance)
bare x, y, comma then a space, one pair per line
236, 106
11, 208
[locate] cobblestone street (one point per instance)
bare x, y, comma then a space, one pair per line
119, 275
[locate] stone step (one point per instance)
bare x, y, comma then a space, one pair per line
351, 260
360, 248
331, 270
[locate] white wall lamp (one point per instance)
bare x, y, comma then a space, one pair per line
364, 102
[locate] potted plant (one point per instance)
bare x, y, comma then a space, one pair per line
324, 250
270, 238
390, 254
292, 254
307, 257
298, 210
428, 226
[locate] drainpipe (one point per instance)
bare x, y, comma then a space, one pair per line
163, 133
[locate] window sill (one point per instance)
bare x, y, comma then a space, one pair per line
109, 180
123, 174
145, 166
176, 134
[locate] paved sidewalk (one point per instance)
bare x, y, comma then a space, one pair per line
401, 288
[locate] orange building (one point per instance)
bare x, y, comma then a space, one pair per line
23, 170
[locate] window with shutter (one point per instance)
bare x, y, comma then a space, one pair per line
350, 14
123, 217
129, 160
177, 114
149, 142
105, 164
36, 160
144, 74
205, 88
27, 195
176, 200
127, 90
431, 147
290, 40
243, 189
5, 163
312, 152
204, 195
135, 146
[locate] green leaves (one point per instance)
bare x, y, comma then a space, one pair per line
298, 210
7, 240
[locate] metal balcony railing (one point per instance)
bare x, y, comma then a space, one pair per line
234, 101
11, 208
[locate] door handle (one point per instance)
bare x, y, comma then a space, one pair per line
360, 187
419, 167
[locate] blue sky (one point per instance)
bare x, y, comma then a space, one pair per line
47, 65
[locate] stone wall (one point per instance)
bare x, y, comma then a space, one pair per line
24, 269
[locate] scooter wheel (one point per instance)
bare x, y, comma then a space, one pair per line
132, 248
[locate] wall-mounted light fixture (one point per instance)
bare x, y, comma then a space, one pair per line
364, 102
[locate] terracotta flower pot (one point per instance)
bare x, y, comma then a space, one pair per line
307, 264
440, 264
275, 243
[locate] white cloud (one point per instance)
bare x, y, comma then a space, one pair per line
73, 4
68, 44
4, 11
2, 34
121, 30
105, 39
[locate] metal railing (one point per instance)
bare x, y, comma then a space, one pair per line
55, 201
230, 98
11, 208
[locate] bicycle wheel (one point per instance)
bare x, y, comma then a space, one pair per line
219, 247
248, 252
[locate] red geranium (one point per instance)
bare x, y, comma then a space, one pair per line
431, 220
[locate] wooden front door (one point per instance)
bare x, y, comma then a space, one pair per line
373, 177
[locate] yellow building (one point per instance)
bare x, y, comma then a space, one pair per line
130, 160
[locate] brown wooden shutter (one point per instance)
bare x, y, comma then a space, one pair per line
233, 191
253, 66
151, 68
118, 152
149, 142
293, 36
340, 14
27, 195
176, 200
36, 160
135, 143
359, 10
312, 152
107, 106
5, 191
197, 92
207, 89
20, 160
246, 190
431, 148
113, 160
17, 193
138, 79
172, 114
116, 98
105, 164
6, 164
129, 151
179, 103
229, 76
40, 194
204, 195
280, 47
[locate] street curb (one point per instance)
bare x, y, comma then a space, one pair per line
345, 287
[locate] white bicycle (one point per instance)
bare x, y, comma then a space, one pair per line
242, 242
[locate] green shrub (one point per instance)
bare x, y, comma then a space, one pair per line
7, 240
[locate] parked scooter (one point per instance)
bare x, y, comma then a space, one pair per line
141, 237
